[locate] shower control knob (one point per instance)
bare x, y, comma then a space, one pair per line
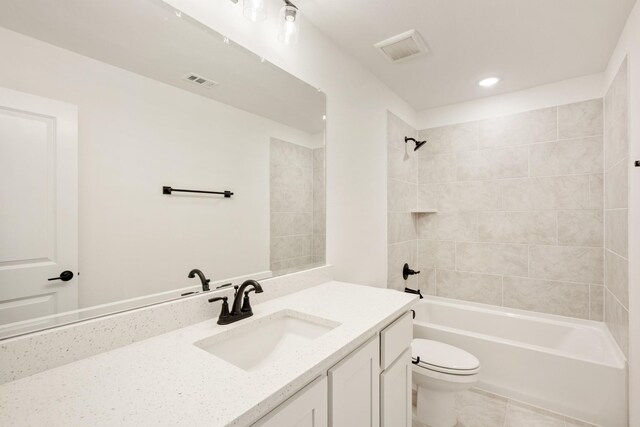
406, 272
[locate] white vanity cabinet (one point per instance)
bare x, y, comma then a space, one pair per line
354, 388
306, 408
370, 387
395, 379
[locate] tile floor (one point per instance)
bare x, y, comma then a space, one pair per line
478, 408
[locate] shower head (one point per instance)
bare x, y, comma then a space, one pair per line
418, 143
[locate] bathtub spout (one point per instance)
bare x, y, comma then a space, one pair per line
414, 291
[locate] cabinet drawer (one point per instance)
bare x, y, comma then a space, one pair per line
395, 338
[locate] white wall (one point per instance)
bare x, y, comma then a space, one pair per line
629, 45
136, 135
558, 93
357, 105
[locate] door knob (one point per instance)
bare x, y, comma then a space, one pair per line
65, 276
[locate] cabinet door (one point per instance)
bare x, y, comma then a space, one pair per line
306, 408
395, 393
354, 388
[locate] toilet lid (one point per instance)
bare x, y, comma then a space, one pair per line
443, 357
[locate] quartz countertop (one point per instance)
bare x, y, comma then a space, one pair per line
166, 380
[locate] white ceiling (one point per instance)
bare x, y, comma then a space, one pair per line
148, 38
526, 42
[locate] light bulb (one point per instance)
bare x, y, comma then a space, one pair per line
289, 25
255, 10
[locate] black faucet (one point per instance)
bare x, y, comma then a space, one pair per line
241, 307
204, 280
414, 291
406, 272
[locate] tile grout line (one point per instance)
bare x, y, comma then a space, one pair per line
546, 245
604, 210
558, 228
617, 300
500, 179
557, 123
529, 261
589, 294
615, 253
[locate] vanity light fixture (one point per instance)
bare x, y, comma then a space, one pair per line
289, 24
289, 19
255, 10
489, 81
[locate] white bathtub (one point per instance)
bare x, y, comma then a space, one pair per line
566, 365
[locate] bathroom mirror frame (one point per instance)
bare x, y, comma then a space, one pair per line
295, 116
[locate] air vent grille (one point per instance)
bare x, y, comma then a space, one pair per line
199, 80
403, 46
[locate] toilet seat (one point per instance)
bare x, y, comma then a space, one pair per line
443, 358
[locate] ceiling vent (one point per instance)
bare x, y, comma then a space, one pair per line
403, 47
199, 80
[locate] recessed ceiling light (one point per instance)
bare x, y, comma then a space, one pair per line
489, 81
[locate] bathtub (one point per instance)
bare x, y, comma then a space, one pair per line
566, 365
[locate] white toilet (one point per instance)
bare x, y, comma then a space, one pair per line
441, 371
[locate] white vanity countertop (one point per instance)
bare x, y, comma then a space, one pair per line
166, 380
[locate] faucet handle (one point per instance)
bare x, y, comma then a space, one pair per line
224, 313
246, 304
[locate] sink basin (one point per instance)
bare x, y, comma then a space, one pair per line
260, 343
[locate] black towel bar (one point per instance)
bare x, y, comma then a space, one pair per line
169, 190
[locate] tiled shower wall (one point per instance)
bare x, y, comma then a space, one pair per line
520, 210
319, 210
297, 239
402, 198
616, 160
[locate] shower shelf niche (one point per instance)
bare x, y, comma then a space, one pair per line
424, 211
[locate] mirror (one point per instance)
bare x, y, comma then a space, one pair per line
137, 145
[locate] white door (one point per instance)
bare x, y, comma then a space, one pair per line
307, 408
38, 206
395, 393
354, 388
